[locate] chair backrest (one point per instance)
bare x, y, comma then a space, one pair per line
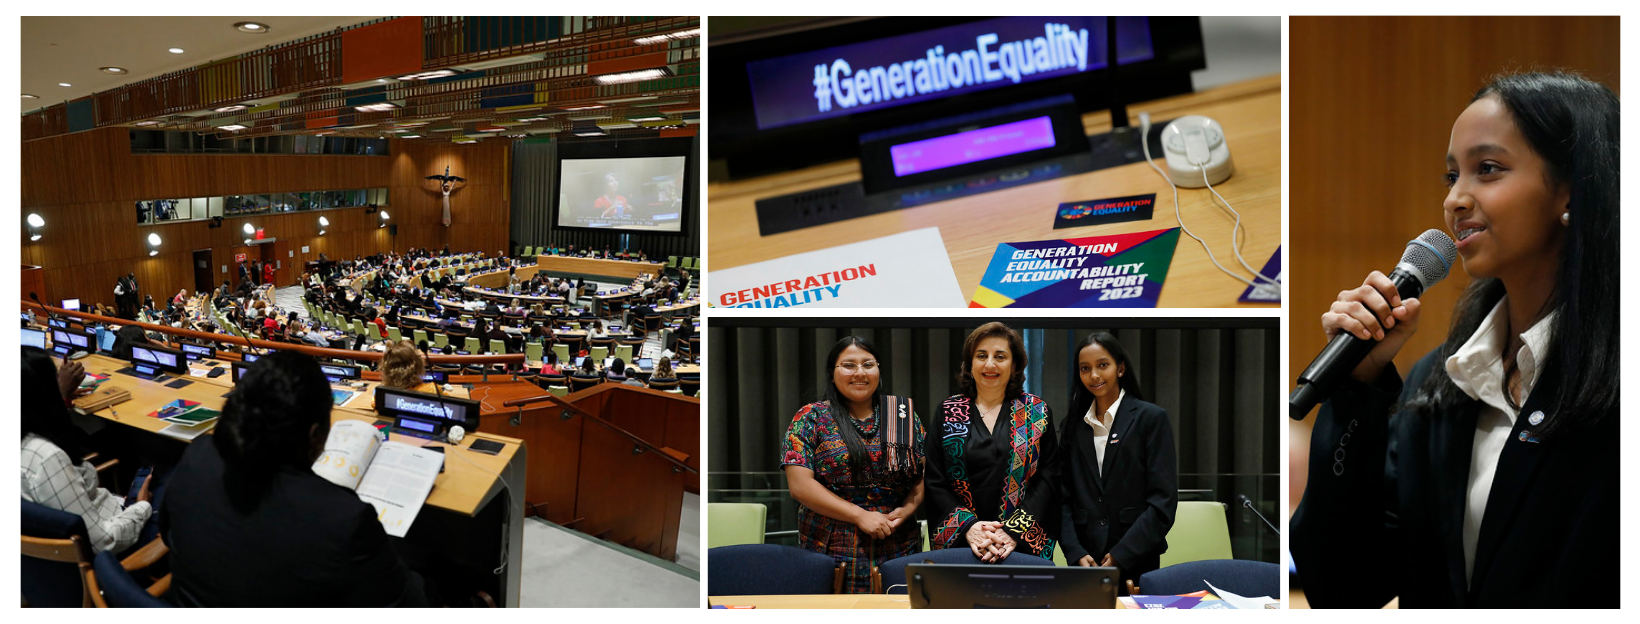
421, 336
441, 340
599, 353
892, 572
54, 543
672, 262
117, 587
1200, 531
497, 346
558, 390
577, 384
690, 385
1237, 576
394, 334
562, 351
769, 569
664, 384
624, 352
728, 524
533, 351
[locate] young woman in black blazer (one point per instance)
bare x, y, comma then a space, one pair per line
1118, 507
1489, 478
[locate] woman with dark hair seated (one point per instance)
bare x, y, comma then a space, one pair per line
249, 523
52, 477
586, 376
616, 372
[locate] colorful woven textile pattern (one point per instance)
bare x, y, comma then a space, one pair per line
814, 441
1029, 418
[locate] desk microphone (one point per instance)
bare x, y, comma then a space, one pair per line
1245, 502
1425, 262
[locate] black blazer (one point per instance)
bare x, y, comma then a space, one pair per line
1126, 508
307, 543
1382, 514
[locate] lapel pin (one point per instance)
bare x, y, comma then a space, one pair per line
1536, 418
1528, 437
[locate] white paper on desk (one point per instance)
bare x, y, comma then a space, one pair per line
1238, 602
398, 482
907, 270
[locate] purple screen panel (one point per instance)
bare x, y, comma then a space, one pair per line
972, 146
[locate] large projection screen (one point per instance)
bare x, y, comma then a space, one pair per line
642, 194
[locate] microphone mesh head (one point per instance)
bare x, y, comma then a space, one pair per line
1432, 254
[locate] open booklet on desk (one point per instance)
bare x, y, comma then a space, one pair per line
393, 477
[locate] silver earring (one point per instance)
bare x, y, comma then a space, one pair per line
1566, 218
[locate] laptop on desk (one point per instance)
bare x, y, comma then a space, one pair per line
948, 586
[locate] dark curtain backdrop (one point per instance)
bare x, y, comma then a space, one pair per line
535, 199
1218, 379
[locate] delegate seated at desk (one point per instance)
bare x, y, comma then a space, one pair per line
249, 523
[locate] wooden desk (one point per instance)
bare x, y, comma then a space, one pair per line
471, 481
972, 227
597, 266
823, 601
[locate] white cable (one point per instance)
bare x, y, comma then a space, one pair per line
1144, 141
1235, 246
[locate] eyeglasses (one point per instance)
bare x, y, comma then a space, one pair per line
851, 367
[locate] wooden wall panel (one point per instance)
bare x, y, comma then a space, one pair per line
1371, 111
85, 186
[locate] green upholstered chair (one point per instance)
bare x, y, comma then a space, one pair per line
421, 336
599, 353
625, 353
562, 351
472, 346
729, 524
532, 353
497, 346
1200, 531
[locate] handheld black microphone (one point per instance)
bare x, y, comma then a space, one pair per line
1425, 262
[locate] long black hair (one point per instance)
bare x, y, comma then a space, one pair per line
44, 413
859, 462
1081, 399
1572, 123
269, 421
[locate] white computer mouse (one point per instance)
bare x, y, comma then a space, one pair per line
1194, 144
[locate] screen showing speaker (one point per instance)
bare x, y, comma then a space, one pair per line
645, 194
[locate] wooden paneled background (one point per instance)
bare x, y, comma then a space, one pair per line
85, 186
1372, 101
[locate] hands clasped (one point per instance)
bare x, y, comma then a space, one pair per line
990, 542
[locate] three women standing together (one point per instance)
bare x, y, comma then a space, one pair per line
998, 477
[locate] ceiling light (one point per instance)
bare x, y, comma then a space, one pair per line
232, 127
376, 108
249, 229
34, 237
380, 80
153, 238
35, 221
411, 136
151, 122
232, 108
646, 115
153, 252
674, 36
383, 214
531, 119
578, 108
588, 129
30, 96
113, 70
321, 232
176, 50
428, 75
64, 84
324, 222
251, 27
633, 76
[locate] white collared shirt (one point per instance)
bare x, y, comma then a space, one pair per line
1101, 427
1477, 369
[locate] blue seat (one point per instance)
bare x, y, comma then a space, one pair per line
1238, 576
118, 589
770, 569
892, 572
54, 542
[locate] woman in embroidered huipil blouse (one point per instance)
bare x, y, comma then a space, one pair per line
854, 463
990, 472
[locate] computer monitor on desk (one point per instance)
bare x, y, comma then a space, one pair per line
338, 373
425, 415
198, 352
34, 338
947, 586
66, 341
151, 360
